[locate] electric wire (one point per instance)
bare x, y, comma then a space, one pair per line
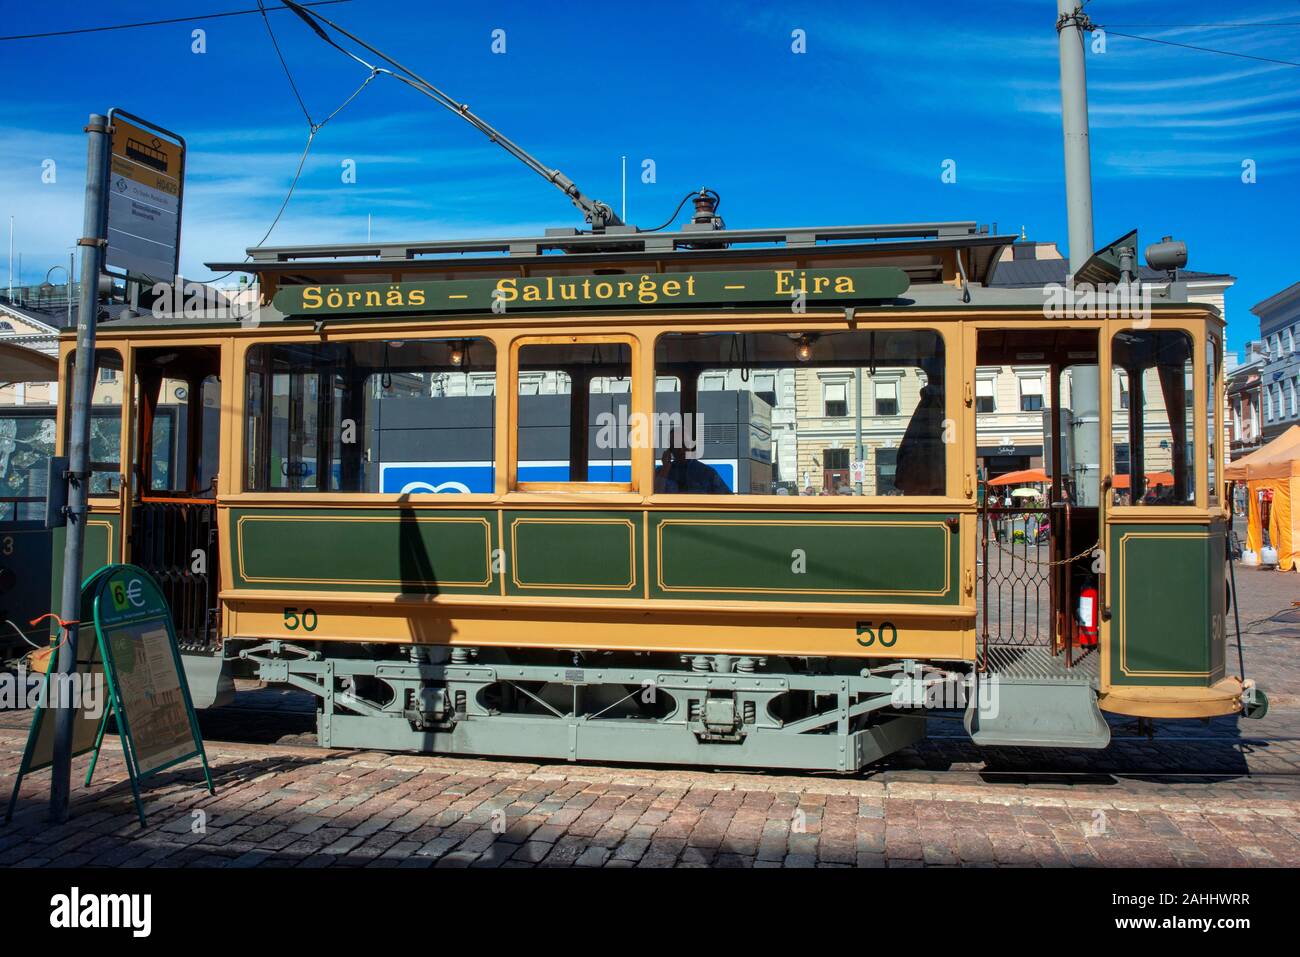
313, 128
151, 23
1200, 49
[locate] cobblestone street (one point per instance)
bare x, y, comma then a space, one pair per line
1226, 793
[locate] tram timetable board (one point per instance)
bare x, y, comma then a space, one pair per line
509, 293
145, 186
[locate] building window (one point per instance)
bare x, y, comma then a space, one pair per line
886, 398
1268, 405
984, 396
886, 468
1290, 399
1122, 380
836, 400
1031, 395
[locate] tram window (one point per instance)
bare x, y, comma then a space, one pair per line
784, 418
178, 419
561, 440
407, 417
1153, 440
26, 444
105, 421
171, 466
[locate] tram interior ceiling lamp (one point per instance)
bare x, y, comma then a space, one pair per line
804, 348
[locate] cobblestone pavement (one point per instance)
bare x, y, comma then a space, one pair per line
1224, 793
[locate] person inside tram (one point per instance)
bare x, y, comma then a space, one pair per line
920, 464
682, 474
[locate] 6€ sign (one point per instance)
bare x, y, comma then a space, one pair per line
127, 595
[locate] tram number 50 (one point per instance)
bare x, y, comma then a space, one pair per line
293, 620
885, 633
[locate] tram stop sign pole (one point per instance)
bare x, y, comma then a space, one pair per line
78, 475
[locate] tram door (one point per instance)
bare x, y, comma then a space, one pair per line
1035, 397
174, 481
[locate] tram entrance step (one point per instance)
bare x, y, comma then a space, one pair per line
1028, 698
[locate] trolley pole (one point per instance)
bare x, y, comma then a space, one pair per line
78, 475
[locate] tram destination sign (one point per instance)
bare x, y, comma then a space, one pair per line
507, 294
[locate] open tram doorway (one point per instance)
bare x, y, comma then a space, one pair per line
1037, 419
173, 503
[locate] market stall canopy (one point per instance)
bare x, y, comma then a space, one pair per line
1153, 479
1279, 459
20, 364
1021, 477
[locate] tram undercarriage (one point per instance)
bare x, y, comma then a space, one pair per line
719, 710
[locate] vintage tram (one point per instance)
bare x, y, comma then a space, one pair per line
706, 496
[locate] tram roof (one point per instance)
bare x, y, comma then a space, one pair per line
924, 251
908, 243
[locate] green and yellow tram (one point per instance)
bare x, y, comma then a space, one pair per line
709, 496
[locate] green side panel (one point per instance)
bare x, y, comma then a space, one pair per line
103, 545
1218, 578
348, 549
560, 553
860, 558
1167, 603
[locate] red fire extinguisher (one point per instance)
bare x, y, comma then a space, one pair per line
1087, 615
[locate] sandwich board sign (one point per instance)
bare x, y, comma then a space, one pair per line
132, 649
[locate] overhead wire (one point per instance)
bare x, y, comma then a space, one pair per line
152, 23
313, 127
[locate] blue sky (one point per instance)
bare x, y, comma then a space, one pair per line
855, 130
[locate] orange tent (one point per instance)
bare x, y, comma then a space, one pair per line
1153, 479
1024, 476
1275, 468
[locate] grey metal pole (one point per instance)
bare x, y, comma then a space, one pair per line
858, 451
1070, 26
92, 253
1085, 386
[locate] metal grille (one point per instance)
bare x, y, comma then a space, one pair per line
167, 539
1016, 594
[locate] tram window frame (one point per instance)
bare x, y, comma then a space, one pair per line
115, 471
477, 354
1147, 381
789, 492
1213, 373
519, 376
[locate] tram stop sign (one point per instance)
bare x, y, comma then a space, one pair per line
132, 645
